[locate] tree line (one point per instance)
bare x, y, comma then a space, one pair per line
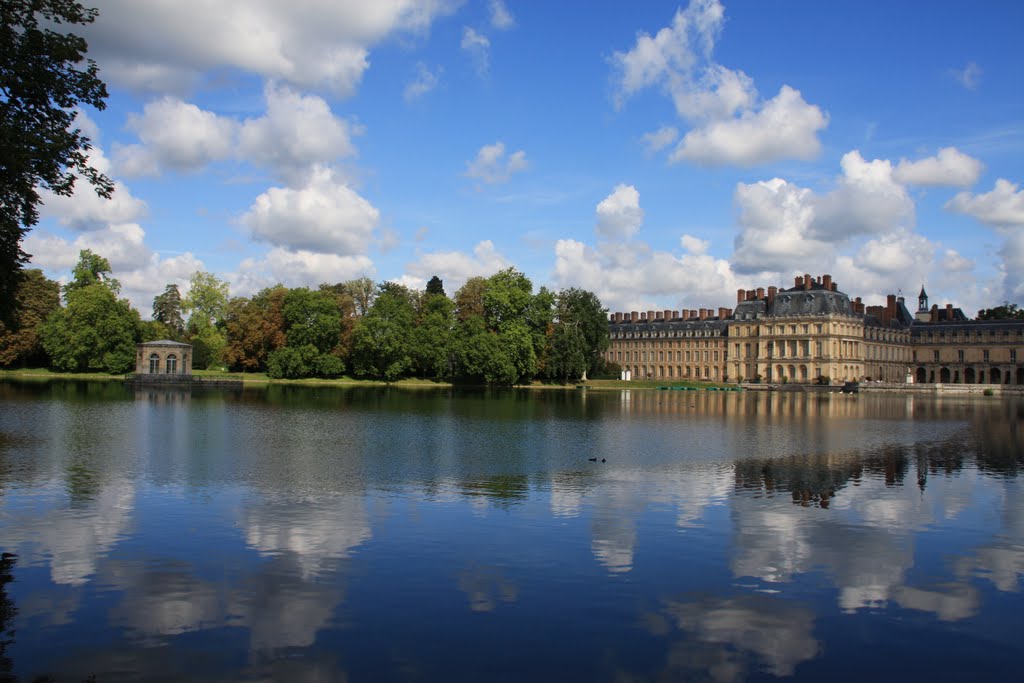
494, 330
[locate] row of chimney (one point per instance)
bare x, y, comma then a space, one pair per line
667, 315
887, 313
805, 282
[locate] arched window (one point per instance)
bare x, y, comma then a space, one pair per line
154, 364
172, 364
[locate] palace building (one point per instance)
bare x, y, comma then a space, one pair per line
814, 333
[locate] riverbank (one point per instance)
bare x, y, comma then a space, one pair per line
212, 377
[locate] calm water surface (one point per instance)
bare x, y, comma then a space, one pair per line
326, 534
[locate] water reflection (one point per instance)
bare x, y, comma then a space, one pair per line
724, 639
301, 534
313, 532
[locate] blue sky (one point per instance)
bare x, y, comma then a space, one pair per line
659, 154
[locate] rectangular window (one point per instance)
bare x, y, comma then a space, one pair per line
935, 356
817, 348
984, 355
1013, 355
960, 356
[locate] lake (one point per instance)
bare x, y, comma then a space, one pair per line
381, 534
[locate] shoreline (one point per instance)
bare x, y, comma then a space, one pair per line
214, 379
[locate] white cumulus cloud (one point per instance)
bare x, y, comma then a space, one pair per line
85, 210
731, 124
949, 167
619, 215
296, 268
867, 200
176, 135
295, 132
785, 127
775, 219
1002, 207
492, 166
325, 215
639, 278
158, 44
455, 267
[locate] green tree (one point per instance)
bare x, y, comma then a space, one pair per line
567, 357
206, 304
95, 331
206, 301
167, 310
153, 330
1007, 311
311, 317
362, 292
581, 350
91, 269
432, 337
37, 297
507, 298
435, 286
44, 79
347, 309
482, 356
382, 340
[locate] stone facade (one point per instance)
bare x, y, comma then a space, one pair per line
670, 344
808, 333
164, 357
814, 333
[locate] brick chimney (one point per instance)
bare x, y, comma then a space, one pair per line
723, 312
808, 281
643, 316
760, 293
826, 281
618, 317
935, 313
772, 291
667, 314
634, 316
798, 281
693, 313
659, 316
741, 295
890, 307
703, 314
650, 316
675, 315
